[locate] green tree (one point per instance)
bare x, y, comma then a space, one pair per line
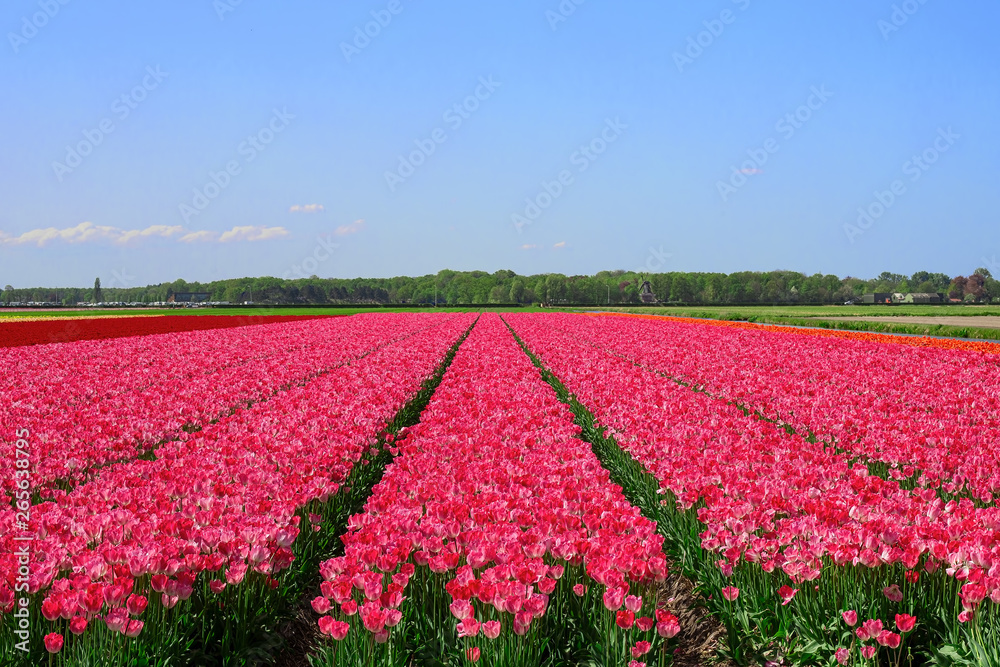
499, 294
98, 294
516, 294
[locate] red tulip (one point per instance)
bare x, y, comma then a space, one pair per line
905, 622
53, 642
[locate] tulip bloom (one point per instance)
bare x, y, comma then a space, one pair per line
905, 622
53, 642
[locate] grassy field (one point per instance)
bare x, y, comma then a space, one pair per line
813, 316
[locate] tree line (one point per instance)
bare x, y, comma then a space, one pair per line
506, 287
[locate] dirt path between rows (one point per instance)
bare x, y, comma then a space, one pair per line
979, 321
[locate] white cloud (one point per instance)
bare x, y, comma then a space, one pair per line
528, 246
252, 233
561, 244
352, 228
194, 237
306, 208
88, 232
162, 231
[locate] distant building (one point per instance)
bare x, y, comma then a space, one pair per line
878, 297
923, 297
189, 297
646, 293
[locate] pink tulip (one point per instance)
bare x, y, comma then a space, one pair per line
893, 593
786, 593
888, 638
53, 642
641, 648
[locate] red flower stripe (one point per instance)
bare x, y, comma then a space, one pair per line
44, 330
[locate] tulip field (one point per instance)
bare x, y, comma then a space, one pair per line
500, 489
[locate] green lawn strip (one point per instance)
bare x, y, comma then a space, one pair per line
254, 312
804, 318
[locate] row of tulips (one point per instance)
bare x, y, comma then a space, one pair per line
213, 525
133, 393
926, 415
93, 370
496, 537
784, 533
45, 330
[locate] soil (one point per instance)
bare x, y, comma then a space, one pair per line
701, 634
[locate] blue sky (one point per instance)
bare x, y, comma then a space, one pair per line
256, 139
